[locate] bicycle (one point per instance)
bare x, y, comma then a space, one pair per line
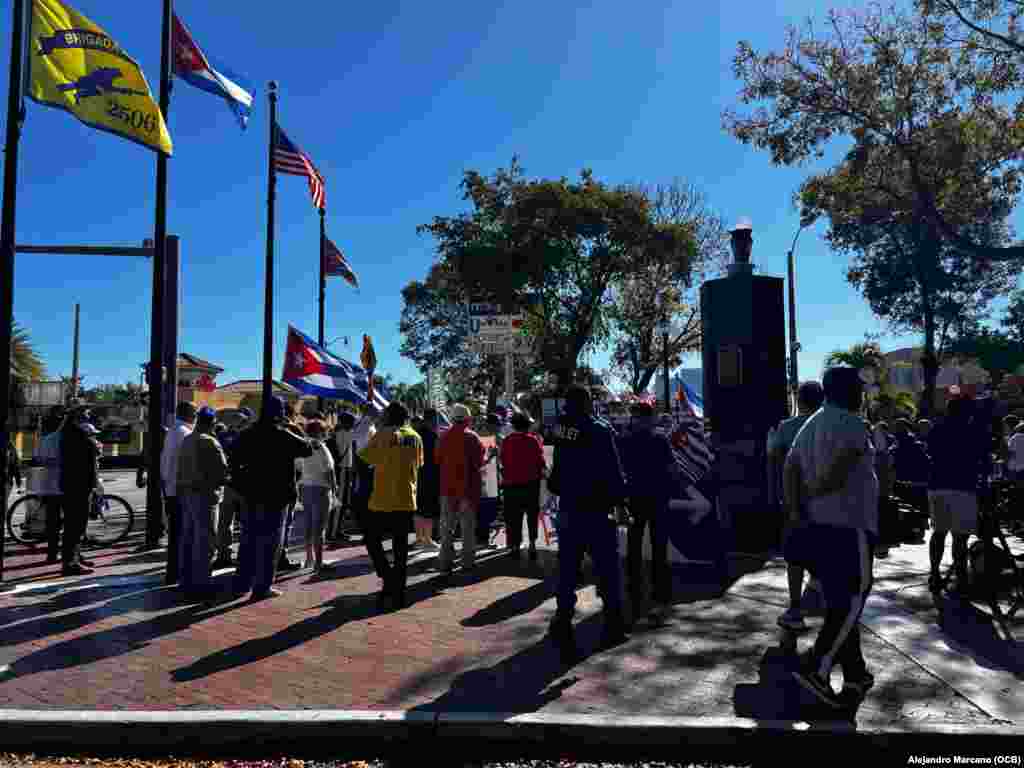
110, 519
996, 571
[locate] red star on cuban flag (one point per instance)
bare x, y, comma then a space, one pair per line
299, 359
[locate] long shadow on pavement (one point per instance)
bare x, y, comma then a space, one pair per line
340, 610
120, 640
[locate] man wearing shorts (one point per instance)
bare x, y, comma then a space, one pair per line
960, 458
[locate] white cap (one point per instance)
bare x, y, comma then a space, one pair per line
743, 223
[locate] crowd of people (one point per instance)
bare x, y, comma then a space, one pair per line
840, 479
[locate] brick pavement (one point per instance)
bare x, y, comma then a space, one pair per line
120, 640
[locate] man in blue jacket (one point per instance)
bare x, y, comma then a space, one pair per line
587, 476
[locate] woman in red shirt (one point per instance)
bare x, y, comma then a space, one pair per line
522, 460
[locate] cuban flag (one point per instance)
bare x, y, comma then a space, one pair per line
689, 399
313, 370
192, 65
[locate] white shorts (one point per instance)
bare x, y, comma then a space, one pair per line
955, 511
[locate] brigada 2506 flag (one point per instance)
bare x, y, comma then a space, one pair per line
75, 66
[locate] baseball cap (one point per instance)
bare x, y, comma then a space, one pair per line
206, 412
461, 413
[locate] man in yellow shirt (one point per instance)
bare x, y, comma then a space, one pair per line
396, 454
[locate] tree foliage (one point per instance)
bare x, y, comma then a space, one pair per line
909, 275
657, 290
26, 365
889, 80
552, 249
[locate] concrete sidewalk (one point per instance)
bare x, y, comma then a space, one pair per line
469, 646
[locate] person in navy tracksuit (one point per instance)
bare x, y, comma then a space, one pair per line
588, 477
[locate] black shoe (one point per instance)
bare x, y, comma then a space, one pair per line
814, 683
613, 633
256, 596
222, 562
86, 563
287, 566
52, 559
533, 553
515, 553
856, 690
564, 638
75, 570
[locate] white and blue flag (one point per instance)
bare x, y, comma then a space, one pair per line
193, 66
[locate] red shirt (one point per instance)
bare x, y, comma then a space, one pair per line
522, 458
460, 453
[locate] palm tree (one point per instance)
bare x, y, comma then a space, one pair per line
867, 355
26, 364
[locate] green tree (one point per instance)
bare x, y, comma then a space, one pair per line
658, 290
999, 353
554, 248
890, 81
26, 365
435, 335
910, 276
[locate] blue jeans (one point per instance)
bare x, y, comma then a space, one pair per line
582, 529
260, 547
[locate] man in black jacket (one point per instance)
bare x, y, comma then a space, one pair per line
587, 476
79, 476
263, 471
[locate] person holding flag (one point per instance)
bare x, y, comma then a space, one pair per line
369, 360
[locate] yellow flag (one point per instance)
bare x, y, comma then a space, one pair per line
75, 66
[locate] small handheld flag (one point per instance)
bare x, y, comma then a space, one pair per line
336, 265
77, 67
193, 66
288, 158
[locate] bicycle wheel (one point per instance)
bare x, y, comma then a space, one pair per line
110, 520
26, 520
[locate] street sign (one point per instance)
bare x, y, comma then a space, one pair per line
496, 325
481, 309
511, 345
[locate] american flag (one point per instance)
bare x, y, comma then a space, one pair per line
336, 265
288, 158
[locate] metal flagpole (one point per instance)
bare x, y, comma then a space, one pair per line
268, 300
320, 338
7, 234
154, 489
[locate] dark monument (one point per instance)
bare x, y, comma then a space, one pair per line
745, 389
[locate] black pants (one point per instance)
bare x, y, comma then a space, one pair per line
841, 559
154, 527
521, 500
53, 524
76, 515
378, 526
173, 536
646, 513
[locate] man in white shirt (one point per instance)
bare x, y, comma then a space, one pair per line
831, 495
186, 419
48, 456
343, 466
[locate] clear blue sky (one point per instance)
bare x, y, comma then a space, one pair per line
393, 101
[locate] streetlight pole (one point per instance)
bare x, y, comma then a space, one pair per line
794, 345
665, 329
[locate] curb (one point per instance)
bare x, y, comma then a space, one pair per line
319, 732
